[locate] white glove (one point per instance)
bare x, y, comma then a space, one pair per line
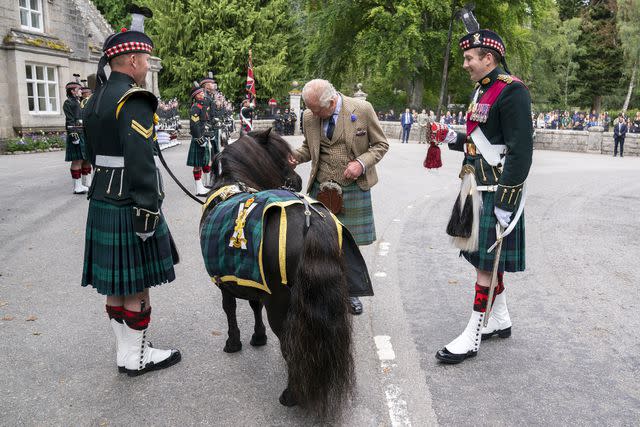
451, 137
145, 236
504, 217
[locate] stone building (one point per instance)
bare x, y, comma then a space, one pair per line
45, 42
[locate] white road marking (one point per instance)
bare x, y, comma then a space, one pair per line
384, 248
380, 274
396, 220
398, 411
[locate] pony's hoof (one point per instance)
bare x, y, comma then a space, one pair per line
232, 347
258, 340
286, 398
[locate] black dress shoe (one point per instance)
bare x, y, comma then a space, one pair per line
502, 333
356, 305
445, 356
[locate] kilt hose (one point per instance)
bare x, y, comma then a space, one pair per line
198, 156
116, 261
512, 258
74, 151
357, 212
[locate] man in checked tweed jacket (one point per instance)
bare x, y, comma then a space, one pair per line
344, 141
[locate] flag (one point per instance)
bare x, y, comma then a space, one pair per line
251, 84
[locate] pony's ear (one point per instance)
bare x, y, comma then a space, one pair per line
261, 137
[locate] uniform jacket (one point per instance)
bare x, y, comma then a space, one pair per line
72, 113
620, 130
357, 125
119, 123
508, 123
198, 118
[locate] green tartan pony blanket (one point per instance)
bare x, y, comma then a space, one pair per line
232, 235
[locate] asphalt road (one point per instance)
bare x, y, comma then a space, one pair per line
572, 359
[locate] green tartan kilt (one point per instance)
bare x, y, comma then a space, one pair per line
512, 257
116, 261
74, 151
357, 212
198, 156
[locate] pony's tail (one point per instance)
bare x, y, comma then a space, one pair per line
317, 339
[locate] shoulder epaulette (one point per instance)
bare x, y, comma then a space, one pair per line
137, 91
505, 78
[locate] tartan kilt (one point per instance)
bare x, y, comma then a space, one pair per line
116, 261
357, 212
198, 156
74, 151
512, 257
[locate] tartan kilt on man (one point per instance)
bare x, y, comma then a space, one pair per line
116, 261
512, 257
75, 151
357, 212
199, 156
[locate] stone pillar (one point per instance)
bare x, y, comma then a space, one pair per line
359, 93
294, 105
594, 141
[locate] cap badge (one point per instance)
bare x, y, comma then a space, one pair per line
476, 38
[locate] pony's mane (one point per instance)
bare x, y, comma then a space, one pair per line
259, 159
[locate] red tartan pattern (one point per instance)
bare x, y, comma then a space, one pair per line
115, 312
486, 42
138, 320
128, 47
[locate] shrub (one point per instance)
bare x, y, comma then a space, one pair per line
36, 141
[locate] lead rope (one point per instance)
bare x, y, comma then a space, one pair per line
164, 163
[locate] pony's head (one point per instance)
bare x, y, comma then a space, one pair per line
259, 159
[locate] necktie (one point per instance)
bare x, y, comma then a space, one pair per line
331, 128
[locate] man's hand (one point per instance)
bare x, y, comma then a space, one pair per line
504, 217
353, 170
293, 161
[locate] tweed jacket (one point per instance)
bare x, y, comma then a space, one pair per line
358, 127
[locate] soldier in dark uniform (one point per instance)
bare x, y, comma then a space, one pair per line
75, 150
287, 122
210, 89
246, 116
498, 149
128, 246
279, 122
199, 153
292, 122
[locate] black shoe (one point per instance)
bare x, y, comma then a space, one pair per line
356, 305
502, 333
445, 356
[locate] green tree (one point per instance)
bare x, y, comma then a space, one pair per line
196, 36
601, 60
568, 9
629, 28
114, 12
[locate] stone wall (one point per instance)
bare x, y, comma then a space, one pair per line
594, 141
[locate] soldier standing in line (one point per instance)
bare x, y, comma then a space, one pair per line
246, 116
75, 149
498, 150
128, 246
279, 122
287, 122
199, 153
292, 122
210, 89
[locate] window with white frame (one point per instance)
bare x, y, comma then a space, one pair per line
42, 88
31, 14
